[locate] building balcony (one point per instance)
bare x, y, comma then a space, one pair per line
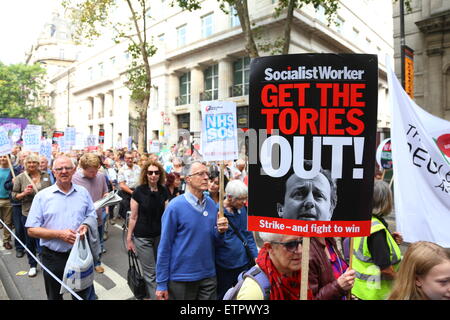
179, 101
238, 90
209, 95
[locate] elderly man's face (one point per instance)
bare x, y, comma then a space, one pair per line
308, 199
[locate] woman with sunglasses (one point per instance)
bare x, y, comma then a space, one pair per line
280, 259
329, 276
147, 204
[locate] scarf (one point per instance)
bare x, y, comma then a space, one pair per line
282, 287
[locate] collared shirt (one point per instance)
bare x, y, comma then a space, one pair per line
56, 210
195, 202
95, 186
129, 176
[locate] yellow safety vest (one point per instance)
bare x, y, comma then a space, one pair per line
369, 282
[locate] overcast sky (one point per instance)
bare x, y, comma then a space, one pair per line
21, 21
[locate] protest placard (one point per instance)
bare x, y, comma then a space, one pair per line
384, 154
31, 137
70, 137
92, 142
315, 166
5, 142
46, 149
14, 127
219, 131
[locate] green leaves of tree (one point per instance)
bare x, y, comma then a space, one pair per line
20, 85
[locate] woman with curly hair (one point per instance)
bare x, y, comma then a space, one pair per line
147, 204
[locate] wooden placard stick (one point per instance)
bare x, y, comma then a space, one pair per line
31, 181
305, 269
10, 166
350, 263
382, 175
221, 189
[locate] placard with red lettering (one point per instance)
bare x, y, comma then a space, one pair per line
313, 172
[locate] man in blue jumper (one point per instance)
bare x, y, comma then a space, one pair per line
191, 229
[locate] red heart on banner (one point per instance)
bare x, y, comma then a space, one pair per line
443, 143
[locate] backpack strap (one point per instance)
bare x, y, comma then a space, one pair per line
261, 279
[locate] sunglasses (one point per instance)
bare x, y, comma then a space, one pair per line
150, 173
290, 246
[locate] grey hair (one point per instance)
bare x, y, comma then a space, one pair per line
236, 189
270, 237
194, 162
72, 161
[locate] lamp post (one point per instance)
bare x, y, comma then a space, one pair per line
402, 41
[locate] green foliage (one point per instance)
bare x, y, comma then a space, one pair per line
20, 86
138, 79
330, 7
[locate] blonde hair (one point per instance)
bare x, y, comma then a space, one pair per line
382, 199
418, 260
89, 160
32, 157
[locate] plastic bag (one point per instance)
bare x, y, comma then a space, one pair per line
79, 270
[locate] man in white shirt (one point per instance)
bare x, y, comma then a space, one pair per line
128, 179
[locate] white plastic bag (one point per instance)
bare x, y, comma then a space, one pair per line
79, 270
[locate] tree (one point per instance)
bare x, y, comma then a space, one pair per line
90, 17
251, 33
20, 88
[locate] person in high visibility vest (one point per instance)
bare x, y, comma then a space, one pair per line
376, 258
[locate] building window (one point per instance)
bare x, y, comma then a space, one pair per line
91, 73
185, 89
241, 74
113, 61
242, 117
355, 33
207, 25
181, 35
340, 25
234, 17
161, 37
211, 76
61, 53
184, 121
100, 69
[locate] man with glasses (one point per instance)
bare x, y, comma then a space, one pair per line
128, 179
57, 214
309, 199
191, 230
239, 251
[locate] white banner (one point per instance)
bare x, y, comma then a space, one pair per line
5, 143
32, 138
420, 150
219, 131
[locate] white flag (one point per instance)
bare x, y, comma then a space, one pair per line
420, 152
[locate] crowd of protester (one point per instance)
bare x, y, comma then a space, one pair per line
185, 249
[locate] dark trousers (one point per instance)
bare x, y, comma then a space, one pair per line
227, 278
124, 205
56, 262
31, 245
19, 227
204, 289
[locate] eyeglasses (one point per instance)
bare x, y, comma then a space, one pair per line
290, 246
241, 199
63, 168
201, 173
150, 173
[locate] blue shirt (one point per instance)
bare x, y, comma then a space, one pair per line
231, 254
55, 210
186, 251
4, 173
